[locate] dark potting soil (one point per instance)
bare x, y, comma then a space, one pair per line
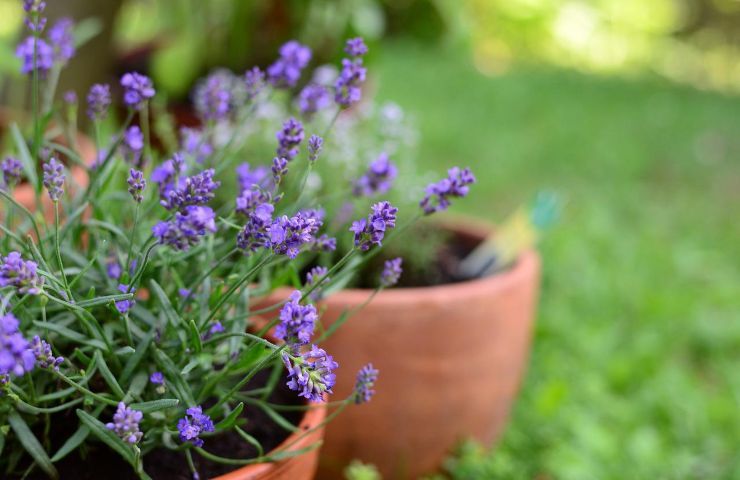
432, 259
97, 461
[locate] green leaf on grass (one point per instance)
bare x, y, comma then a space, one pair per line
31, 444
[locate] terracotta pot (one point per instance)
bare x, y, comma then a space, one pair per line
300, 467
451, 359
24, 193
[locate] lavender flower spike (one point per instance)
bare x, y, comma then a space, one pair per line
15, 356
193, 425
136, 184
54, 178
286, 70
311, 373
133, 145
366, 378
187, 228
391, 272
289, 138
125, 424
313, 98
355, 47
98, 101
35, 53
315, 145
371, 231
347, 86
286, 235
438, 194
196, 190
19, 273
157, 378
11, 169
137, 89
297, 321
62, 40
43, 354
378, 178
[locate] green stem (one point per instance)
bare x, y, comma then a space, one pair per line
133, 234
84, 390
59, 252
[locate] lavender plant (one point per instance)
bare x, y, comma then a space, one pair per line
128, 322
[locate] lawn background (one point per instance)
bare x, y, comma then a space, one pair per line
634, 370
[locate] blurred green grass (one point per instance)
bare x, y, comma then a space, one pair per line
634, 369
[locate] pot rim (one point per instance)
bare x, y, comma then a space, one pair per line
312, 417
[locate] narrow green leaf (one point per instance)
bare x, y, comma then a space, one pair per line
105, 299
155, 405
230, 419
31, 444
135, 359
28, 408
72, 443
277, 418
181, 388
195, 340
108, 375
251, 440
106, 436
334, 326
70, 334
29, 166
164, 300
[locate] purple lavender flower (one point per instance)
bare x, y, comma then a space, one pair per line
98, 101
113, 269
216, 328
289, 138
378, 178
186, 228
184, 292
34, 21
313, 98
35, 53
366, 378
193, 425
286, 234
20, 274
297, 321
214, 97
315, 144
254, 82
136, 184
438, 194
355, 47
70, 98
43, 354
279, 169
123, 306
62, 40
157, 378
137, 89
312, 277
391, 273
324, 243
166, 174
12, 170
15, 356
193, 143
311, 373
371, 231
132, 145
286, 70
196, 190
255, 202
125, 424
249, 176
347, 86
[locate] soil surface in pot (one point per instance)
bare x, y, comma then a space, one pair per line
432, 258
98, 462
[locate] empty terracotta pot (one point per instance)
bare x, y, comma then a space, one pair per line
451, 359
299, 467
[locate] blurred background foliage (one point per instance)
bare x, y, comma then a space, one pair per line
628, 108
